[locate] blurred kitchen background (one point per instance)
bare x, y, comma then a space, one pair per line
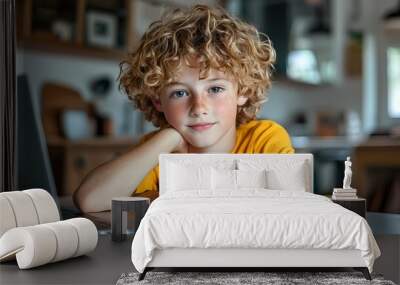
336, 89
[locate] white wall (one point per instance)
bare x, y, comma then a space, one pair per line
77, 73
287, 99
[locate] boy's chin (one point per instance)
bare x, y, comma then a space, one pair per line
200, 144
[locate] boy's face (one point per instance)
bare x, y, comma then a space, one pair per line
203, 111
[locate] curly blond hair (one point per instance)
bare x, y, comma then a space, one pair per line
217, 39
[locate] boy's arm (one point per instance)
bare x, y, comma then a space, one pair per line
148, 194
120, 176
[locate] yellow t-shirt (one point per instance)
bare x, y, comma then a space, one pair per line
259, 136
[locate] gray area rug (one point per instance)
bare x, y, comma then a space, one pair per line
229, 278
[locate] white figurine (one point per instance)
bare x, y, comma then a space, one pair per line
347, 174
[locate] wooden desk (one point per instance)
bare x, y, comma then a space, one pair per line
104, 265
73, 160
376, 166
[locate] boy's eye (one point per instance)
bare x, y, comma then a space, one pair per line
178, 94
216, 89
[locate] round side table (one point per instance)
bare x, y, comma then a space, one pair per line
120, 208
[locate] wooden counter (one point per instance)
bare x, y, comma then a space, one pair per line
72, 160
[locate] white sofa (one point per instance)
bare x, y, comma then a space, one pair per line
31, 231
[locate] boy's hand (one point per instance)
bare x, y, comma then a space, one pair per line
181, 145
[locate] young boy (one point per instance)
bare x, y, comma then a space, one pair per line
201, 76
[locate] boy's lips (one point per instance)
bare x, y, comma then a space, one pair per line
201, 126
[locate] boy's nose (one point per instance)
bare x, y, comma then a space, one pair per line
199, 106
